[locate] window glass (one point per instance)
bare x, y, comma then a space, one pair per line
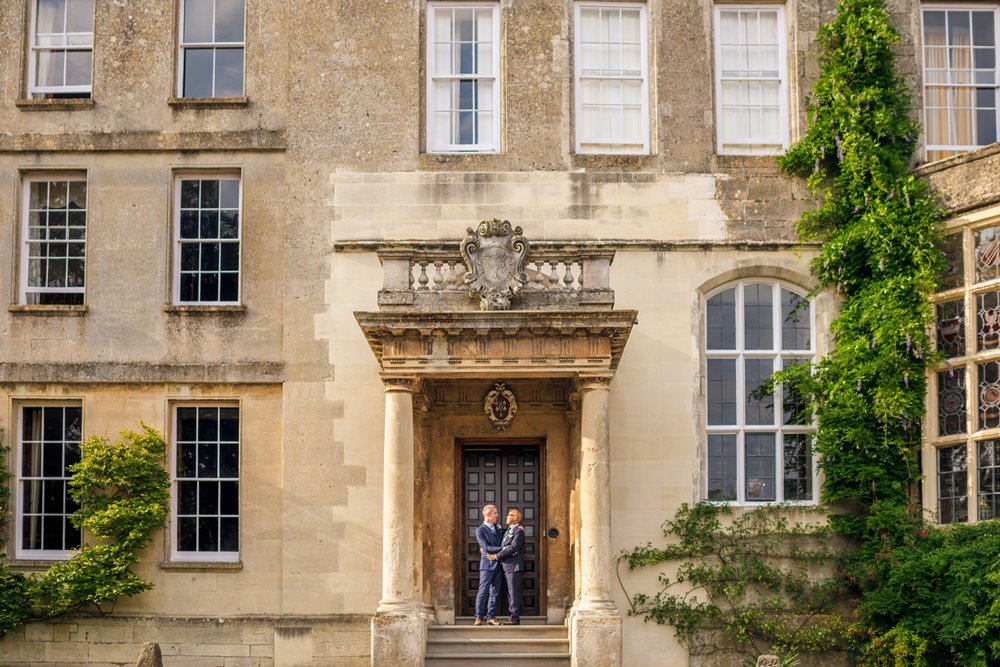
212, 48
206, 482
988, 458
752, 456
953, 499
611, 79
208, 241
49, 444
62, 44
54, 246
960, 80
750, 79
463, 98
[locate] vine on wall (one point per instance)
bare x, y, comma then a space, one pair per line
122, 489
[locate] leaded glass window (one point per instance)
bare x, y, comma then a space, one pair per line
953, 494
988, 460
756, 453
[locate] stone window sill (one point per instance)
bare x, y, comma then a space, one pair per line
614, 161
20, 565
48, 311
71, 104
207, 102
203, 310
200, 566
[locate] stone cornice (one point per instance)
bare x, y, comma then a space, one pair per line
596, 246
509, 342
259, 372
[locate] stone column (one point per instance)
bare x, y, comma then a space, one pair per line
596, 626
398, 632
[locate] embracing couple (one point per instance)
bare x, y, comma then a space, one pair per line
501, 559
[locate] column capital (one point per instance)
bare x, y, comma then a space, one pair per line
408, 383
593, 381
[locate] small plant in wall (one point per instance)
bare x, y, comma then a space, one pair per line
122, 489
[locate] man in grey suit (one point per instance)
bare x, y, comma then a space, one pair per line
512, 563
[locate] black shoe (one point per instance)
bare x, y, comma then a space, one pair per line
512, 622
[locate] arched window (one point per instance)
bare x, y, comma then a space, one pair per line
756, 453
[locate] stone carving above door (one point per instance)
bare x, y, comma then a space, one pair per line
494, 255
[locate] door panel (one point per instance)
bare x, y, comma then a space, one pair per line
507, 477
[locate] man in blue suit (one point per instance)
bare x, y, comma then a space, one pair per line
512, 561
489, 537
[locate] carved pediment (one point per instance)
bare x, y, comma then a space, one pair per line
494, 255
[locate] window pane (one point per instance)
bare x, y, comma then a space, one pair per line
758, 326
988, 459
952, 481
198, 68
954, 273
987, 321
759, 462
722, 467
759, 405
989, 394
228, 20
795, 321
198, 20
797, 463
721, 321
228, 73
951, 401
80, 16
951, 327
721, 391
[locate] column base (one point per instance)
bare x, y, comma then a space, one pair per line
398, 638
595, 637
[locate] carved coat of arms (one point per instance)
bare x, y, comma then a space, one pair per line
500, 406
494, 255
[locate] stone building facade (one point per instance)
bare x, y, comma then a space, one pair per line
240, 222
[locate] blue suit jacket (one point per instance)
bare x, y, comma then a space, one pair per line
510, 555
489, 541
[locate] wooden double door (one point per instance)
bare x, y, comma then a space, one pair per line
508, 475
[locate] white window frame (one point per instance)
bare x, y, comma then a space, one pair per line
18, 501
970, 7
610, 145
491, 144
183, 45
202, 556
34, 49
740, 429
178, 241
749, 146
23, 255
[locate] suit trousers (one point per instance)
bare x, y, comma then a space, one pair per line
514, 594
489, 588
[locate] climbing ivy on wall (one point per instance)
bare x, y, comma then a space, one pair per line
122, 489
880, 252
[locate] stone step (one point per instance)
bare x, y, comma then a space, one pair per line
535, 645
499, 660
498, 633
500, 643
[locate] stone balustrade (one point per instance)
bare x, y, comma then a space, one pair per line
431, 276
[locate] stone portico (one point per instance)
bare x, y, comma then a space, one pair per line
558, 347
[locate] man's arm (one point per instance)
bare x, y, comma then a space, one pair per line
484, 546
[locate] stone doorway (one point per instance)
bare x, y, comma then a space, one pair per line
508, 474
